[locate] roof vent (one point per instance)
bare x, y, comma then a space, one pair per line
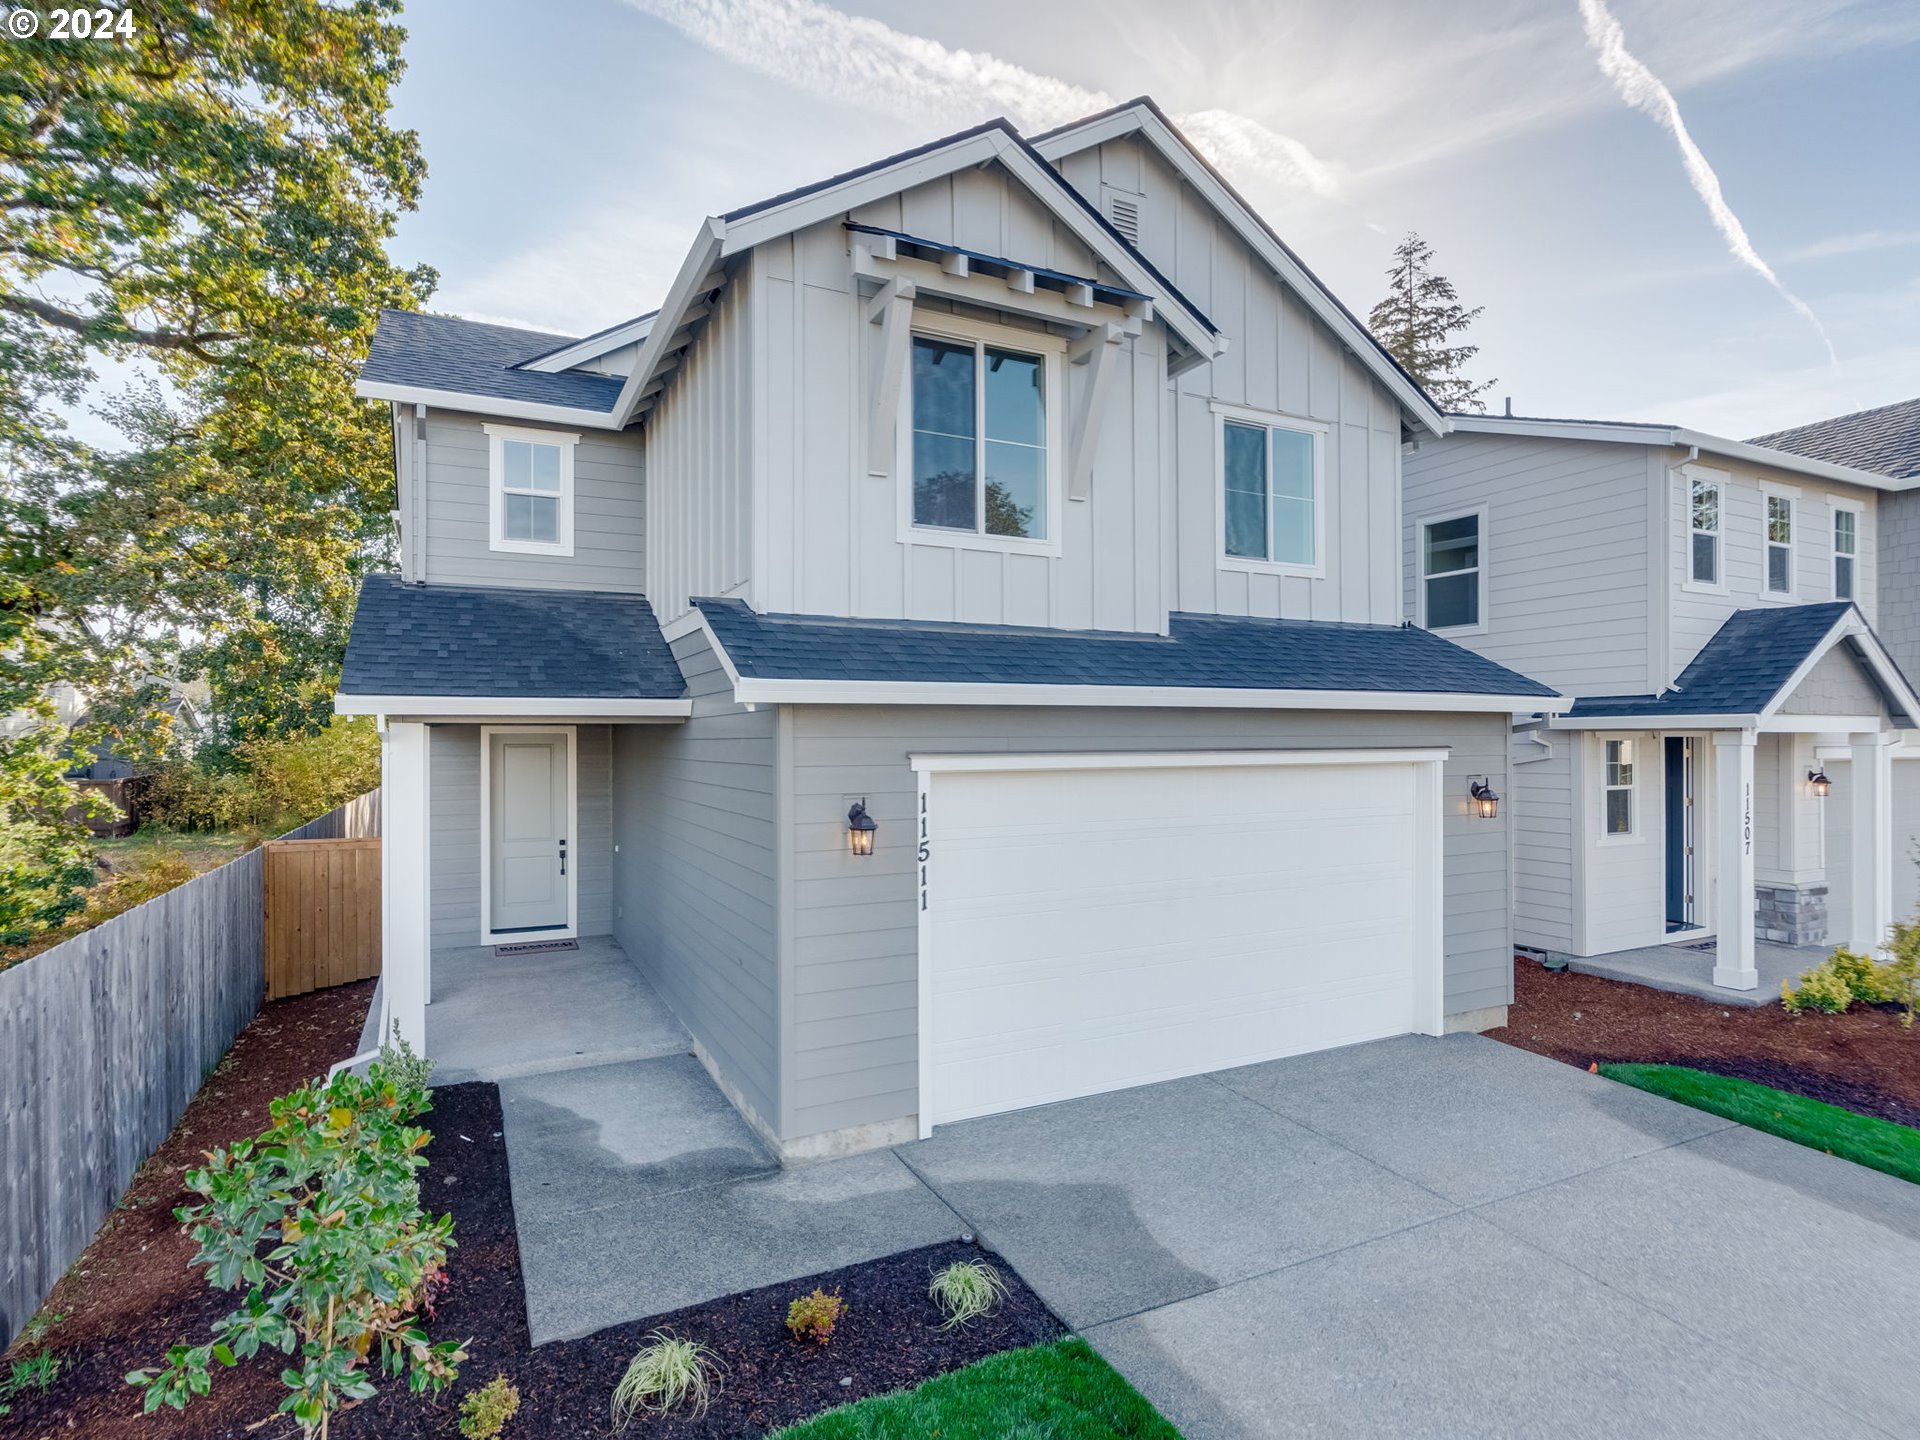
1123, 213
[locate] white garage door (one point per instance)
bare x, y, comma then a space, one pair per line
1131, 920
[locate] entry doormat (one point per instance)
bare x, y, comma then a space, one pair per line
535, 947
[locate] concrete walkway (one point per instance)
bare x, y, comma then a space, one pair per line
1418, 1237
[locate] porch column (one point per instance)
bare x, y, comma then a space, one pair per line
403, 879
1870, 781
1733, 859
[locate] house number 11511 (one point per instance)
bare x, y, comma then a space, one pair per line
924, 851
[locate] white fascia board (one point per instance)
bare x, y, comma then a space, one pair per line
1137, 119
594, 346
1171, 760
1654, 722
484, 404
1820, 724
543, 707
751, 691
1677, 437
699, 264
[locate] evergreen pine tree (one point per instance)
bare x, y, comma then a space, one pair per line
1416, 321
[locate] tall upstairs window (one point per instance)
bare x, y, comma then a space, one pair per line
1779, 539
1846, 552
1271, 499
530, 485
1452, 575
1704, 527
983, 456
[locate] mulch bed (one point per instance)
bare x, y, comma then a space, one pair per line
133, 1295
1862, 1060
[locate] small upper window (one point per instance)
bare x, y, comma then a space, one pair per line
1617, 786
1450, 572
1705, 524
531, 504
1270, 492
1779, 544
1846, 552
980, 461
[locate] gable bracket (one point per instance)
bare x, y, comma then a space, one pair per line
890, 313
1099, 351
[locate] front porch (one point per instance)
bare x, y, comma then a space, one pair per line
1687, 968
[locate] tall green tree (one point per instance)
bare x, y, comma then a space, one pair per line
211, 195
1420, 322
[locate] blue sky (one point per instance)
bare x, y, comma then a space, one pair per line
573, 146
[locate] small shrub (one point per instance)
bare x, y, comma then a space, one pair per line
966, 1290
410, 1072
812, 1317
1823, 988
668, 1372
331, 1190
486, 1411
1902, 970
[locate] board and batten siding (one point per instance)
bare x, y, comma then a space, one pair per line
1565, 554
701, 442
694, 875
853, 954
454, 842
1280, 358
609, 511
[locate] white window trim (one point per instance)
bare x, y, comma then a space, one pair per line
1718, 481
1634, 835
1791, 494
1479, 627
1839, 505
496, 489
1053, 351
1272, 420
488, 935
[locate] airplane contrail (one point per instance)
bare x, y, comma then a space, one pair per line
1644, 90
863, 61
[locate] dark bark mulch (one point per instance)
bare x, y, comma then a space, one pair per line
131, 1294
890, 1338
1862, 1060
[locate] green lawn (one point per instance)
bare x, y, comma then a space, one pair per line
1864, 1139
1062, 1391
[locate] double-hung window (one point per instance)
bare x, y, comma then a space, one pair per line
1452, 572
1846, 552
1616, 788
530, 490
984, 457
1270, 491
1704, 525
1779, 542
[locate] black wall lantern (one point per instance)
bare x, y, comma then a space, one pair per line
1819, 784
860, 828
1486, 804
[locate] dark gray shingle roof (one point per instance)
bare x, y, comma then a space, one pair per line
494, 641
1885, 441
441, 352
1740, 670
1201, 652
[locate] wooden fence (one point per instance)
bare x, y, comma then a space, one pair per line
103, 1041
323, 914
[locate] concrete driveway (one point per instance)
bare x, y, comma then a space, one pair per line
1418, 1237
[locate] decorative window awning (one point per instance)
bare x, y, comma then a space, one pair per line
1024, 278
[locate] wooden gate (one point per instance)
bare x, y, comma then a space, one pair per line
323, 914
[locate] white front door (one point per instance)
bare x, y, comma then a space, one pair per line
1092, 929
529, 867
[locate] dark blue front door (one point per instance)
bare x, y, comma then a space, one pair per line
1679, 832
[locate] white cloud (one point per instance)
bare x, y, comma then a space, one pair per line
1643, 90
862, 61
602, 266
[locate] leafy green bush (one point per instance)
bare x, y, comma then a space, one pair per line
666, 1373
812, 1317
486, 1411
1845, 976
350, 1259
1902, 971
966, 1290
1823, 988
269, 784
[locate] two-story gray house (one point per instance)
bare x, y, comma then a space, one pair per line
952, 647
1724, 795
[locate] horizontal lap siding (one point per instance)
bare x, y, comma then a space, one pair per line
609, 512
852, 1056
693, 815
1543, 858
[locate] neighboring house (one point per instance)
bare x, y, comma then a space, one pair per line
1027, 500
1725, 614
